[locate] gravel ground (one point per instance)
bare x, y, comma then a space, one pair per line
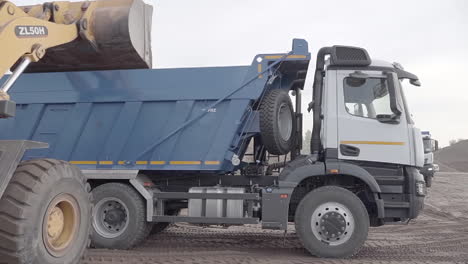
439, 235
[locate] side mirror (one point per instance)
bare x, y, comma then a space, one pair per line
415, 82
436, 145
388, 119
394, 93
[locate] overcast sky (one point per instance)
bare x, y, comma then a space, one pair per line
429, 38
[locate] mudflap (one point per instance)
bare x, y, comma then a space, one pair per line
11, 152
275, 207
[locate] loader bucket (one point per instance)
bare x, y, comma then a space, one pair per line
122, 40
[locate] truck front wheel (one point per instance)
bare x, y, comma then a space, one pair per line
332, 222
45, 214
119, 217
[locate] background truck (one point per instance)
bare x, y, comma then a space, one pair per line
45, 204
429, 169
224, 142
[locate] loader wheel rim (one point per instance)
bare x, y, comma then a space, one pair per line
110, 217
61, 223
284, 121
332, 223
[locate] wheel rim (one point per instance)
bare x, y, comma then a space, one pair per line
61, 223
285, 121
110, 217
332, 223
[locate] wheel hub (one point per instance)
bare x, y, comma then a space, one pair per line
285, 122
61, 222
110, 217
332, 223
55, 223
114, 216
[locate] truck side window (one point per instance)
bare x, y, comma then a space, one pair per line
366, 97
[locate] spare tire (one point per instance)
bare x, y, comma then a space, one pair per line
277, 122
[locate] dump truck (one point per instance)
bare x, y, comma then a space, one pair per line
45, 204
221, 145
429, 169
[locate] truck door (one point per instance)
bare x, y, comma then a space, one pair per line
372, 125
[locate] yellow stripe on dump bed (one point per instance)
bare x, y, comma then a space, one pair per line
81, 162
374, 143
212, 162
185, 162
143, 162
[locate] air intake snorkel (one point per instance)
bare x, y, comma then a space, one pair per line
315, 143
339, 56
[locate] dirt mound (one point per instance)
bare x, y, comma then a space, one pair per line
454, 156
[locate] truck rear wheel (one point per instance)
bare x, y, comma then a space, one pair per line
45, 214
277, 122
332, 222
119, 217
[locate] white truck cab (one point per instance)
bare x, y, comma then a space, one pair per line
371, 121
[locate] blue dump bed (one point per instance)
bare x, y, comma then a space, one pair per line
165, 119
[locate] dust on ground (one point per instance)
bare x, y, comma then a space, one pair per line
439, 235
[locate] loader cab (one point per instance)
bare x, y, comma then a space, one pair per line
365, 117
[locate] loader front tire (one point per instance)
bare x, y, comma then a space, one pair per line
45, 214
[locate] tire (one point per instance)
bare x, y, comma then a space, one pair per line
119, 217
277, 122
332, 208
45, 214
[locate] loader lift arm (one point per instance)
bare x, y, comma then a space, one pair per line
27, 37
70, 36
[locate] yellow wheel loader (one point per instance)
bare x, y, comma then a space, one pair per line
45, 204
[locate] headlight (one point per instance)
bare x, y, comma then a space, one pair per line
429, 169
421, 188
